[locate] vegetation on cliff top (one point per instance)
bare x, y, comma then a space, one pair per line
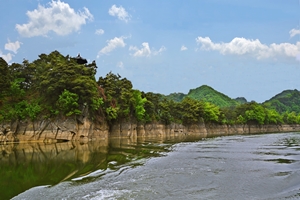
57, 86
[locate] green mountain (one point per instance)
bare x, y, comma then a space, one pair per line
206, 93
288, 100
241, 100
177, 97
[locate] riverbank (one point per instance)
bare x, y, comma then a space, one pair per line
83, 130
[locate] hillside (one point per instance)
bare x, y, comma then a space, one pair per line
286, 101
241, 100
177, 97
206, 93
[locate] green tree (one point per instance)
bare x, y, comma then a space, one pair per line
4, 77
151, 106
190, 110
55, 73
256, 114
139, 103
290, 117
33, 110
68, 103
164, 112
273, 117
211, 112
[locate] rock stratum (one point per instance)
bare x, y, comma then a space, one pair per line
83, 130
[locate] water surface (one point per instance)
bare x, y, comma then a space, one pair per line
232, 167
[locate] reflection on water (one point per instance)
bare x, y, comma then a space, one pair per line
232, 167
23, 166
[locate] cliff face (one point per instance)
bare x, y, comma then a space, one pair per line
61, 129
83, 129
127, 129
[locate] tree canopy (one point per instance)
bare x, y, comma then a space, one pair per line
56, 85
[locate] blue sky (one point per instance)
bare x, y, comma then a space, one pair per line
243, 48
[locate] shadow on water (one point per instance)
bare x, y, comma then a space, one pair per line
27, 165
281, 160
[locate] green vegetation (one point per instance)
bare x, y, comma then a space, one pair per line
177, 97
49, 86
241, 100
208, 94
286, 101
57, 86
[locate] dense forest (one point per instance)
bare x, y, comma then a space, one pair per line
58, 86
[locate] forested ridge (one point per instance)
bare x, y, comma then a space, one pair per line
286, 101
205, 93
58, 86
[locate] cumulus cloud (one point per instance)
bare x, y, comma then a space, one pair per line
294, 32
145, 51
183, 48
59, 17
112, 44
7, 57
99, 32
242, 46
12, 46
119, 12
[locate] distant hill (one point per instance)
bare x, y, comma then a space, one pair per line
241, 100
177, 97
206, 93
288, 100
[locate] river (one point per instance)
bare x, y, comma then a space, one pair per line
262, 166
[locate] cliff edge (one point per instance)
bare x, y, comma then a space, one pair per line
83, 129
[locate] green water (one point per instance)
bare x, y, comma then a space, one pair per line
23, 166
263, 166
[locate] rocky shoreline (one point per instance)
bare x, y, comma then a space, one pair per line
73, 129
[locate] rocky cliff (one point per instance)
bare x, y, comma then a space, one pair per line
83, 129
79, 128
128, 129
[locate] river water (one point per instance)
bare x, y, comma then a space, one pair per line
264, 166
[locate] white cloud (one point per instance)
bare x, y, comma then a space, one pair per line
112, 44
159, 51
59, 17
183, 48
120, 64
12, 46
7, 57
242, 46
144, 51
99, 32
120, 12
294, 32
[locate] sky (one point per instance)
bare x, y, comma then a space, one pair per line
248, 48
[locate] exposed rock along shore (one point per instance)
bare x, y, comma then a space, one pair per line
73, 129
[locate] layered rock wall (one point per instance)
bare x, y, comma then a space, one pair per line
128, 129
46, 130
83, 129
